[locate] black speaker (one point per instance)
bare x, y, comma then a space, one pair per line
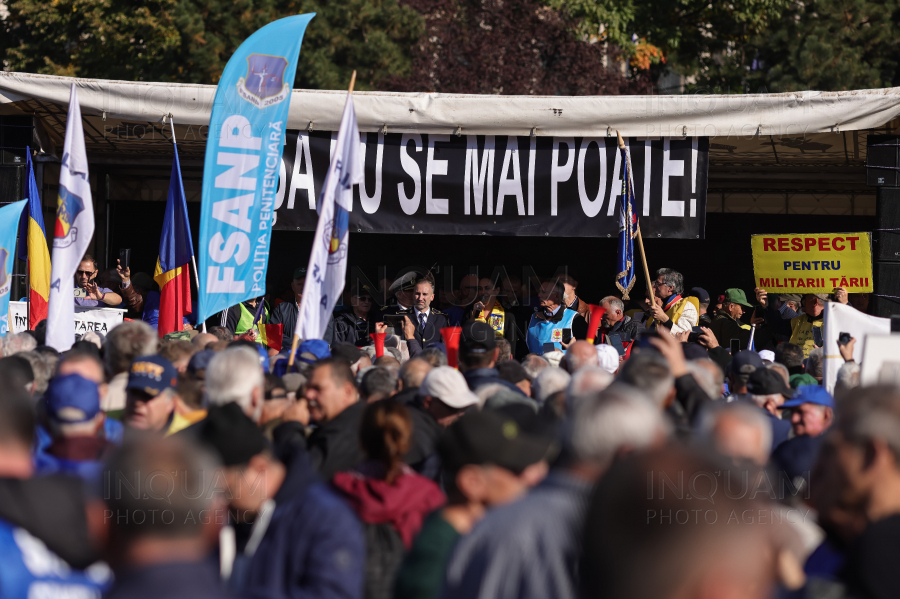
887, 288
16, 133
887, 214
883, 161
12, 179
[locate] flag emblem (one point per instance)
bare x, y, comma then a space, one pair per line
68, 208
337, 238
264, 84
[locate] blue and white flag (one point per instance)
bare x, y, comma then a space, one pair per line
10, 216
73, 232
328, 259
243, 158
628, 228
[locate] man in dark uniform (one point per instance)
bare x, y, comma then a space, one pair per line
422, 324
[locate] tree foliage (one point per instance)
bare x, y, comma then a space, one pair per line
507, 47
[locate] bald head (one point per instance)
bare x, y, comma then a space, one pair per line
203, 339
413, 372
579, 355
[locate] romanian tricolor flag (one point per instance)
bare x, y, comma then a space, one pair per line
270, 335
35, 251
176, 249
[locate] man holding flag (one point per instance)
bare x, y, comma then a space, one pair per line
328, 260
176, 250
74, 230
35, 251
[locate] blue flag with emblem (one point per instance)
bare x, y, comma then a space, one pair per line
10, 215
628, 228
243, 158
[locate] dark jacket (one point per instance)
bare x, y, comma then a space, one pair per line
422, 454
479, 377
350, 329
334, 446
581, 307
313, 546
173, 580
285, 314
627, 329
437, 320
690, 400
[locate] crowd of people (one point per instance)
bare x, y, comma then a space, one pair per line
686, 448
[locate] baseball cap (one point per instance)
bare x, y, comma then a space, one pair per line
448, 385
316, 349
609, 358
802, 379
767, 354
300, 273
701, 294
813, 394
477, 338
790, 297
72, 398
768, 382
736, 296
822, 296
489, 438
200, 361
347, 351
152, 375
746, 362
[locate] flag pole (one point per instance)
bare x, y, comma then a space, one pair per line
639, 238
296, 340
193, 258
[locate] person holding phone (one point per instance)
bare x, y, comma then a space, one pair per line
545, 330
87, 292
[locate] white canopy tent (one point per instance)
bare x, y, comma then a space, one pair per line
787, 114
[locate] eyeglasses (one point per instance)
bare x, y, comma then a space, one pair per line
83, 273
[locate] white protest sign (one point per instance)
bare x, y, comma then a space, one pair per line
100, 320
841, 318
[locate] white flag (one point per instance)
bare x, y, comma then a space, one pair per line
74, 230
328, 260
840, 318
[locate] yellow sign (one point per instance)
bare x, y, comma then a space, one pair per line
812, 263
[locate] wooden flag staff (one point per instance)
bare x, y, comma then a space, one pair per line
639, 238
296, 340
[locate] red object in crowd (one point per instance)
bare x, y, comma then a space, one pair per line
451, 337
379, 343
594, 323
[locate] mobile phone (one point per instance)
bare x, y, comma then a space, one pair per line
616, 342
395, 321
694, 336
125, 258
567, 335
644, 340
735, 346
843, 338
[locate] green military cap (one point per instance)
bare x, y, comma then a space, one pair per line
736, 296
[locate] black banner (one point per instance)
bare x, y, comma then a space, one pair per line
497, 185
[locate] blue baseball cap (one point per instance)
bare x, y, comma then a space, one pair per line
152, 375
316, 347
813, 394
200, 360
746, 362
72, 398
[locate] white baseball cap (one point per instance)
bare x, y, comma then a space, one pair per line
448, 385
767, 354
609, 358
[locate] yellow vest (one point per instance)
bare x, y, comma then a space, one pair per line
496, 320
675, 310
802, 332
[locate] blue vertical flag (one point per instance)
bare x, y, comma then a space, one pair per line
10, 217
243, 158
628, 228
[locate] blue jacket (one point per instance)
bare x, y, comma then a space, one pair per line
313, 547
541, 331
